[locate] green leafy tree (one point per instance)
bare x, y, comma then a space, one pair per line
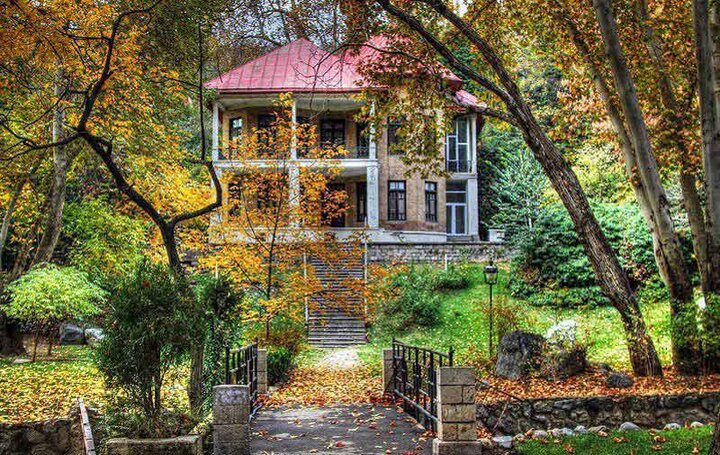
48, 295
150, 328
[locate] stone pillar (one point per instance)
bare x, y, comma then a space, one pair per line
262, 384
457, 426
387, 370
473, 227
231, 420
293, 185
372, 137
373, 195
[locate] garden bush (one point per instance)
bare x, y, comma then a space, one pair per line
551, 267
414, 301
280, 362
48, 295
457, 276
148, 331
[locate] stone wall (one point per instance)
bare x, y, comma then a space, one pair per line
646, 411
434, 252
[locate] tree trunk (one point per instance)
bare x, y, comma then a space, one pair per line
196, 385
53, 222
715, 444
11, 338
668, 253
608, 272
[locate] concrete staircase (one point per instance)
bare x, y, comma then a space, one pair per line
336, 317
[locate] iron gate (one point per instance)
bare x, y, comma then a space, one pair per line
241, 367
415, 380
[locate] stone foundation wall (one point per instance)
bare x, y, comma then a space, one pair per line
646, 411
435, 252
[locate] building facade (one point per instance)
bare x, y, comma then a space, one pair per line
388, 203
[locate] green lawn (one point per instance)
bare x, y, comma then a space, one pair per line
685, 441
464, 325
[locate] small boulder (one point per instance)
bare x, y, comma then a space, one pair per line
629, 426
540, 434
580, 430
506, 442
672, 426
697, 425
519, 353
21, 361
71, 334
618, 380
94, 336
561, 432
604, 368
598, 429
562, 364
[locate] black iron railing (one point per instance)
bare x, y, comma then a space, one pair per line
415, 371
241, 367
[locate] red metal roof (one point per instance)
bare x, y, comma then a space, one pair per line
301, 66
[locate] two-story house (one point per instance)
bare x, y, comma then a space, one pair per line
391, 206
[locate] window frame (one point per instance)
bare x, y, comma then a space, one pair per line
333, 142
391, 131
231, 129
398, 199
431, 202
361, 201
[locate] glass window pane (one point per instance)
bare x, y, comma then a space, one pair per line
461, 127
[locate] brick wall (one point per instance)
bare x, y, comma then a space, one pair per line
435, 252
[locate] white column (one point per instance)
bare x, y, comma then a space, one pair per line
216, 132
373, 195
372, 143
294, 185
472, 207
473, 143
293, 145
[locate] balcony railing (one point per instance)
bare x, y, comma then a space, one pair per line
458, 166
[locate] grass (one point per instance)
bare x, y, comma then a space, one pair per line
676, 442
464, 325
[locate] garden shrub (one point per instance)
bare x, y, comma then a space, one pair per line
48, 295
454, 278
414, 301
280, 362
148, 331
551, 267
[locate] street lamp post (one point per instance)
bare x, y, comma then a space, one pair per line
491, 276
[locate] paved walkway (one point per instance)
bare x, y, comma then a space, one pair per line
336, 429
365, 429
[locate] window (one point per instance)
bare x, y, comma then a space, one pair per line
235, 127
332, 132
265, 121
457, 146
361, 188
362, 140
396, 200
456, 208
431, 202
393, 139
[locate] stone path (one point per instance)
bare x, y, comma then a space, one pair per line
340, 358
365, 429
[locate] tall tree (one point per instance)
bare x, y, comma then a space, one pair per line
603, 259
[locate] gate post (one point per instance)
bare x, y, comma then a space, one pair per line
231, 420
457, 426
262, 371
387, 370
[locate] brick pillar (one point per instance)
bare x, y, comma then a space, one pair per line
387, 370
457, 429
231, 416
262, 371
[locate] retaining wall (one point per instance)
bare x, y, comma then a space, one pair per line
435, 252
653, 411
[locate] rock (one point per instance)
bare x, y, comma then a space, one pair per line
506, 442
672, 426
540, 434
580, 430
94, 336
518, 353
34, 437
697, 425
598, 429
564, 363
604, 368
619, 381
562, 335
71, 334
567, 432
629, 426
20, 361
